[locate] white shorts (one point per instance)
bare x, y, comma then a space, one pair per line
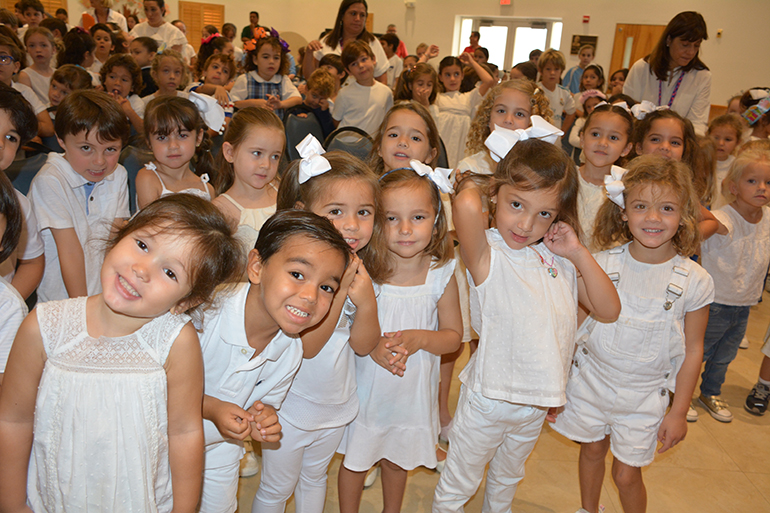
596, 408
219, 493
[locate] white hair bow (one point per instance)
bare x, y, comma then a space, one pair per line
212, 113
640, 110
613, 184
622, 105
758, 94
439, 176
312, 163
501, 140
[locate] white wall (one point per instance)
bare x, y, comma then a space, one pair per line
736, 60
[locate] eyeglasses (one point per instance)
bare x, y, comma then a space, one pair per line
6, 59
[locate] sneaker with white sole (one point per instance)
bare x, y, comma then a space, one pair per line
249, 465
716, 407
371, 476
756, 402
692, 414
744, 343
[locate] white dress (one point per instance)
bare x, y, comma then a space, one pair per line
101, 417
40, 84
590, 199
398, 416
456, 110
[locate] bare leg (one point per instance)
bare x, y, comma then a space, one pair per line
447, 367
633, 495
764, 369
393, 486
350, 486
591, 473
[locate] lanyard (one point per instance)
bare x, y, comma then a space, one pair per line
676, 89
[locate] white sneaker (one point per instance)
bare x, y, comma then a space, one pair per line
371, 476
744, 343
249, 465
692, 414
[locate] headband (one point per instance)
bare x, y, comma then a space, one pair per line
753, 113
312, 163
212, 113
206, 40
592, 93
501, 140
614, 187
640, 110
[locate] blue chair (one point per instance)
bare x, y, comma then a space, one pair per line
21, 172
297, 129
133, 159
350, 139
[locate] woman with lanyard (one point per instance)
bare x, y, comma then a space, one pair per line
349, 26
673, 74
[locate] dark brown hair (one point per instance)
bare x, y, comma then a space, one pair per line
375, 160
407, 78
354, 51
251, 60
688, 25
440, 247
11, 210
76, 43
534, 165
344, 167
206, 50
165, 115
74, 77
20, 111
642, 128
123, 60
227, 60
216, 256
333, 38
613, 109
87, 110
237, 131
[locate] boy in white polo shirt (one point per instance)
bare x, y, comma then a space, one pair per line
77, 197
251, 345
365, 102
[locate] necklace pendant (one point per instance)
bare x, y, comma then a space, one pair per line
667, 305
553, 272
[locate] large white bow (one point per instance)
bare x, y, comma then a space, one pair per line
212, 113
758, 94
439, 176
501, 140
613, 184
640, 110
312, 163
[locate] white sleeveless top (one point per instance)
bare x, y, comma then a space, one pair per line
526, 320
201, 193
101, 417
251, 221
40, 84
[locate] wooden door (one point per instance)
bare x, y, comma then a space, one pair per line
642, 39
197, 15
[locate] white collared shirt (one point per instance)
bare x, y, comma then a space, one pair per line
58, 198
234, 374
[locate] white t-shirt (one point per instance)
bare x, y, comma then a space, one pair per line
240, 90
381, 60
30, 96
12, 312
395, 67
150, 97
738, 261
723, 167
693, 98
233, 373
30, 243
166, 33
363, 107
561, 102
58, 197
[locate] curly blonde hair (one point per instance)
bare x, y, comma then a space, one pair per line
611, 230
479, 130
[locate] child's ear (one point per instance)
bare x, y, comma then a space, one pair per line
200, 137
254, 267
228, 152
623, 153
432, 157
639, 148
623, 215
731, 187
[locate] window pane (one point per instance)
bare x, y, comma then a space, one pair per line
466, 27
528, 39
494, 39
556, 35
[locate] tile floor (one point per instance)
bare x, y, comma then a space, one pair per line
718, 468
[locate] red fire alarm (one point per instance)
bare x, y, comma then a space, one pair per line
505, 2
586, 19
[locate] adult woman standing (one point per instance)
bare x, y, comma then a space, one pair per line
349, 26
673, 73
158, 28
101, 11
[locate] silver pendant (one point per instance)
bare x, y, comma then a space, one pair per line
667, 305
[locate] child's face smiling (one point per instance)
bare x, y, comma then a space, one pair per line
405, 138
511, 109
268, 61
664, 138
9, 141
349, 205
524, 217
119, 81
140, 54
92, 159
605, 140
653, 214
217, 74
40, 49
297, 284
57, 92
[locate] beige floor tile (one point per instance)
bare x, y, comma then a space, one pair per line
762, 482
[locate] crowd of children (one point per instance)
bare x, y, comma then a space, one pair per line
317, 306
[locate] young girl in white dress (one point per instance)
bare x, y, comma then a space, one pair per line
322, 399
248, 165
40, 47
622, 372
419, 312
456, 109
526, 277
106, 391
176, 134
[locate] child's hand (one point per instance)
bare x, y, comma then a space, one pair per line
232, 421
301, 115
553, 413
221, 96
672, 430
409, 340
390, 356
562, 240
302, 88
466, 58
313, 46
421, 94
432, 51
361, 290
265, 426
123, 102
324, 104
273, 102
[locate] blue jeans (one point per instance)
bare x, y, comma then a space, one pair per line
725, 330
